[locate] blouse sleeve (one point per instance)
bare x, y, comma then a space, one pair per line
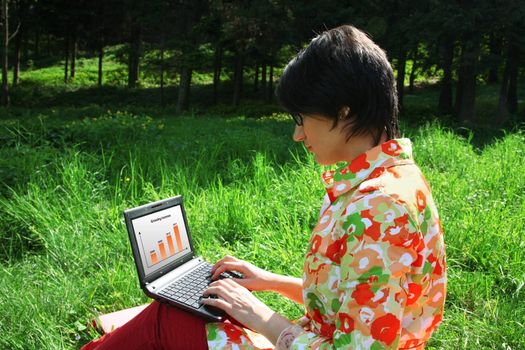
373, 286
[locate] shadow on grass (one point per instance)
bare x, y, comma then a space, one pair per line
31, 94
421, 108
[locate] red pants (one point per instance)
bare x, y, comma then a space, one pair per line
158, 327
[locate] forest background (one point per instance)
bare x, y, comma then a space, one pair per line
112, 104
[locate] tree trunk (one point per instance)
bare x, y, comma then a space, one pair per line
66, 64
48, 46
100, 62
256, 78
135, 47
263, 78
74, 50
495, 47
37, 43
502, 111
238, 78
459, 92
184, 89
217, 63
269, 93
100, 13
467, 82
401, 67
447, 57
512, 94
413, 72
162, 102
4, 53
18, 49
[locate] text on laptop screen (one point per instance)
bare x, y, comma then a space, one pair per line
161, 238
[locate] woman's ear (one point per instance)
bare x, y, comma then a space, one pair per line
344, 112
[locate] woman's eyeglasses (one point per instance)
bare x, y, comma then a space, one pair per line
298, 118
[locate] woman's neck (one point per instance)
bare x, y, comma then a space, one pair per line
359, 144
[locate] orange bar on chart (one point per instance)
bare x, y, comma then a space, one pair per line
177, 236
154, 258
170, 244
162, 250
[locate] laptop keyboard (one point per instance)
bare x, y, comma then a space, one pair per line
188, 290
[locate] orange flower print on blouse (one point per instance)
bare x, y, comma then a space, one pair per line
374, 274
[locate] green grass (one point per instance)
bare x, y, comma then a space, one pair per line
249, 192
86, 73
71, 163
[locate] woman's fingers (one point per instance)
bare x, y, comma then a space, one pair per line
228, 266
253, 277
227, 258
238, 302
219, 303
221, 287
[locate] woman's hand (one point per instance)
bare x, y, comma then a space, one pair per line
242, 305
238, 302
254, 278
258, 279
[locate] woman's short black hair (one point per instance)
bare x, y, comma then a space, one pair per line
343, 67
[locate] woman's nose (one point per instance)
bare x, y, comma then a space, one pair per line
298, 134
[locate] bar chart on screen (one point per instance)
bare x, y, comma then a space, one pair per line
162, 238
167, 245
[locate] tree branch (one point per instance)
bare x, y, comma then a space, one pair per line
15, 33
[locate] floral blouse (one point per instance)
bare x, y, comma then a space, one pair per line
374, 274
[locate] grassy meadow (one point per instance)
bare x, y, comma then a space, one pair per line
69, 167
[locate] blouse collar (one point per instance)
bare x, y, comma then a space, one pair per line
367, 165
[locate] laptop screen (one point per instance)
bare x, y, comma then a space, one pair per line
161, 238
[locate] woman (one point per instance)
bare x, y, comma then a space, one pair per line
374, 272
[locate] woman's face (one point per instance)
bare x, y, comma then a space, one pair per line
329, 145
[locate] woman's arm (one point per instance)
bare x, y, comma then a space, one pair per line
257, 279
287, 286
